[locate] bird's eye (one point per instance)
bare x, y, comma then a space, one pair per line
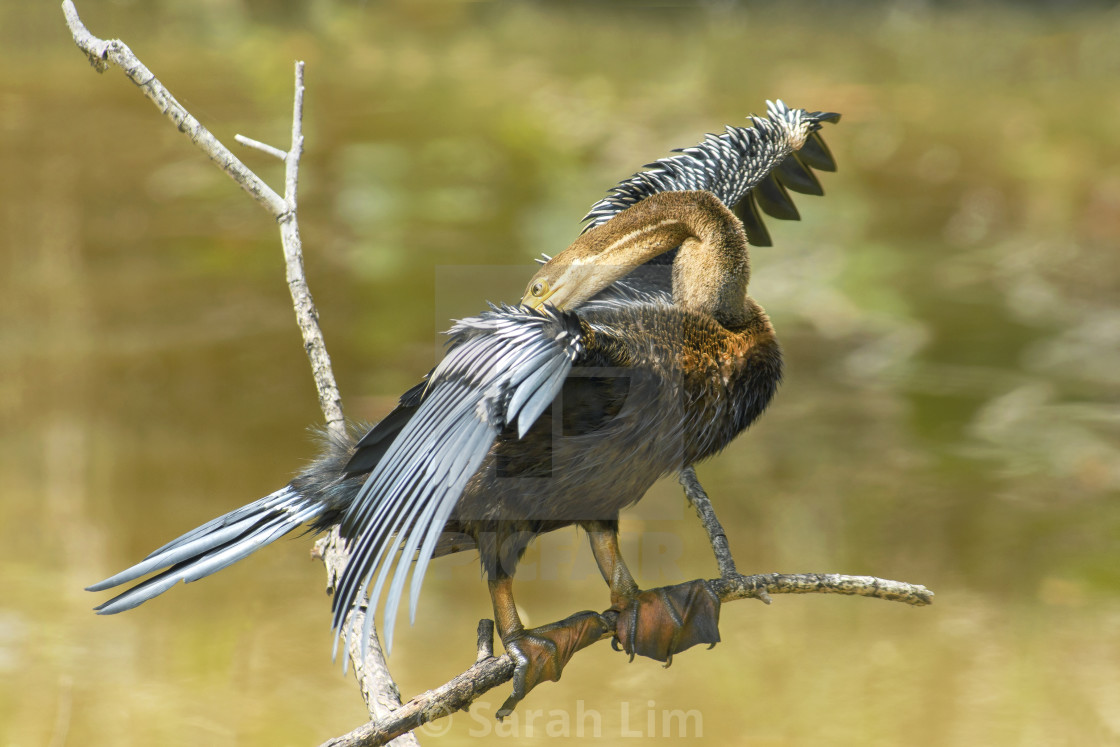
539, 288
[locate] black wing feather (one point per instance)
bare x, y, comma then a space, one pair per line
815, 153
747, 211
799, 177
503, 366
775, 200
372, 446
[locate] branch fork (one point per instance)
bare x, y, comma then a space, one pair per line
265, 147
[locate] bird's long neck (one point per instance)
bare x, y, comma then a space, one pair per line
710, 272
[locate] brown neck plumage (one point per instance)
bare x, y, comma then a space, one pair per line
710, 272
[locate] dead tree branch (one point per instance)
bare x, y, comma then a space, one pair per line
104, 53
377, 685
707, 514
490, 671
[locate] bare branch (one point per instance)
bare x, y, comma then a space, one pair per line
731, 585
330, 401
454, 696
377, 686
761, 585
485, 641
707, 514
101, 53
488, 673
265, 147
380, 692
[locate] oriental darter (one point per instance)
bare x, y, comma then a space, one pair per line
634, 353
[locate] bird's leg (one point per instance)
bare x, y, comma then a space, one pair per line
608, 556
539, 653
657, 623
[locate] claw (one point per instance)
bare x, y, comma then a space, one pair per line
659, 623
540, 654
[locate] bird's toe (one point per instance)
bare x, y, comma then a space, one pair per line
661, 622
539, 654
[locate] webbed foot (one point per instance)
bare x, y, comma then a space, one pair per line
541, 653
661, 622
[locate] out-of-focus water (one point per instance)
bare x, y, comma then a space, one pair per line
950, 314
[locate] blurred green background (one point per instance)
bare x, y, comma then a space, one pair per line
950, 314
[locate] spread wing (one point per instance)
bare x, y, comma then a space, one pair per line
750, 169
503, 367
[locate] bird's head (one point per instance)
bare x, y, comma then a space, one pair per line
569, 279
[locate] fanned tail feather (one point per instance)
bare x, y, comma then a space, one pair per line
211, 547
751, 170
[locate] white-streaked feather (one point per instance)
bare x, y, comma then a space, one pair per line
504, 366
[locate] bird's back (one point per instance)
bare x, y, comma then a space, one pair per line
656, 389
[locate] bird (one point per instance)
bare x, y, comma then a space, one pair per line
634, 353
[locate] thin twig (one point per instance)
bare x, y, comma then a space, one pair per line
379, 691
485, 641
377, 685
731, 585
429, 706
265, 147
707, 514
488, 673
761, 585
330, 401
102, 53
